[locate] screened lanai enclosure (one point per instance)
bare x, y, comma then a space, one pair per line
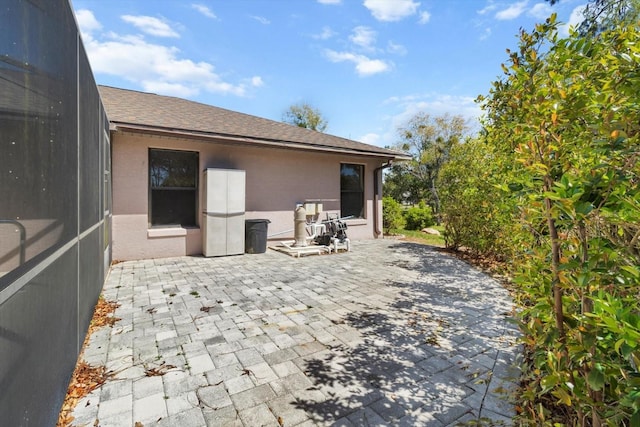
55, 203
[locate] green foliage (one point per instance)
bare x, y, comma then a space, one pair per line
476, 214
403, 186
566, 117
428, 140
305, 116
419, 216
600, 15
391, 214
420, 237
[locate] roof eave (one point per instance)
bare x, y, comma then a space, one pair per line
239, 139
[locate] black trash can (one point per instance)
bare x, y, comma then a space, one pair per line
255, 236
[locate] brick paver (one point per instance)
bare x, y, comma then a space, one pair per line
392, 333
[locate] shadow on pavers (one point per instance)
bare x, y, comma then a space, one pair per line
440, 354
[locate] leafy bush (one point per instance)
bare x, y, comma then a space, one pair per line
391, 214
567, 114
419, 217
476, 214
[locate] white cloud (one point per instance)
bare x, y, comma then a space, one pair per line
154, 67
434, 104
512, 12
262, 20
326, 34
391, 10
370, 138
87, 22
424, 17
540, 11
485, 34
135, 59
576, 18
329, 1
150, 25
490, 7
256, 81
364, 66
204, 10
397, 49
166, 88
363, 36
402, 108
577, 15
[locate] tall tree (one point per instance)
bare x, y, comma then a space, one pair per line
428, 140
305, 116
403, 186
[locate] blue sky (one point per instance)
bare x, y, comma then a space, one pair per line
367, 65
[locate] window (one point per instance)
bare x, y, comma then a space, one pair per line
351, 190
173, 192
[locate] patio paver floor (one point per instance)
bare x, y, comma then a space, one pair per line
392, 333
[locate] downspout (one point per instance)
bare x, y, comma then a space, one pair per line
376, 197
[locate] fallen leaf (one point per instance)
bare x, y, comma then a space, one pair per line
86, 378
157, 371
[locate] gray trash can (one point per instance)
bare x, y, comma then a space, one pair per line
255, 235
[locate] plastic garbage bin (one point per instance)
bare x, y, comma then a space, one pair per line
255, 235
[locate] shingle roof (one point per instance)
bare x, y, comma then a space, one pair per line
148, 112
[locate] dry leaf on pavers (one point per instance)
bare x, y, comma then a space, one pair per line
280, 421
432, 339
158, 371
138, 424
87, 378
247, 372
103, 315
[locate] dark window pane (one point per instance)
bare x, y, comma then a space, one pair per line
173, 168
351, 177
351, 205
173, 178
173, 207
352, 190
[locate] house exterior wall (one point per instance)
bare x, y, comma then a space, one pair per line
276, 179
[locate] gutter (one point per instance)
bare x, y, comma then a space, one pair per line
377, 193
257, 142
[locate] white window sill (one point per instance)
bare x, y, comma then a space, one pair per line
168, 232
357, 221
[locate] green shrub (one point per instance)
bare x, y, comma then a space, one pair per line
419, 217
391, 214
476, 214
575, 181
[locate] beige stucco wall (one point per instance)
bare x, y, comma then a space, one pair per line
276, 179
